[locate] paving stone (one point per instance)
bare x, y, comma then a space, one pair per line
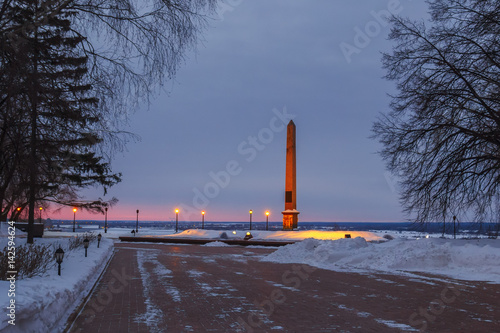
191, 288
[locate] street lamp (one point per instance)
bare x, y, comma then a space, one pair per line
86, 245
41, 208
251, 211
203, 219
267, 220
59, 259
454, 228
176, 219
137, 222
106, 220
99, 239
74, 217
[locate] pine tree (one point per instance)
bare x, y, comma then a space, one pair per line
62, 136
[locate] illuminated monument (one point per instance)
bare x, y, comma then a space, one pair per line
290, 214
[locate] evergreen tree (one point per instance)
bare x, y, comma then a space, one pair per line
61, 137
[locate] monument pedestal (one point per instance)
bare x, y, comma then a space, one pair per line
290, 219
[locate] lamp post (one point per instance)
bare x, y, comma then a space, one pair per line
267, 220
86, 245
203, 219
454, 228
59, 259
251, 211
99, 239
137, 222
176, 219
18, 212
41, 208
106, 220
74, 218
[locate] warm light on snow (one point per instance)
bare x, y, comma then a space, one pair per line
280, 235
475, 259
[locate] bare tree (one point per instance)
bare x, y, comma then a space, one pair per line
442, 136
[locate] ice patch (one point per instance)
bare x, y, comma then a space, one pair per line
194, 273
153, 314
393, 324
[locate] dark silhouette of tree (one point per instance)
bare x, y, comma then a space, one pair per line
117, 53
442, 137
59, 127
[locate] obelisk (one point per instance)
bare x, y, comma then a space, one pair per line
290, 214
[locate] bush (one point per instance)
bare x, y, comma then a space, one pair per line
31, 260
77, 241
36, 259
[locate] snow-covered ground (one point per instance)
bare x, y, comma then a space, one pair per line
475, 259
43, 303
113, 233
276, 235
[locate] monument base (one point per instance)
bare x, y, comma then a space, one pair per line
290, 219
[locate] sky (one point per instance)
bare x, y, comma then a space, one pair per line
214, 138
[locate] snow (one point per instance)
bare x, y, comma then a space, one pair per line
475, 260
113, 233
216, 244
276, 235
44, 303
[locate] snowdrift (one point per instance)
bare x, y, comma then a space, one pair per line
461, 259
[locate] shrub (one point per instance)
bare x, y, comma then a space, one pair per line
30, 260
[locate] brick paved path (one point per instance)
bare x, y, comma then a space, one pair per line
190, 288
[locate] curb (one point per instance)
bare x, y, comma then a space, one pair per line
71, 319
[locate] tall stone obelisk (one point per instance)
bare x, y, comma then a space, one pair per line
290, 214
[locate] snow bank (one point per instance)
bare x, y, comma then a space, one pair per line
113, 233
216, 244
43, 304
476, 260
276, 235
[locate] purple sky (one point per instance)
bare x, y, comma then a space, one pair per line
214, 138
